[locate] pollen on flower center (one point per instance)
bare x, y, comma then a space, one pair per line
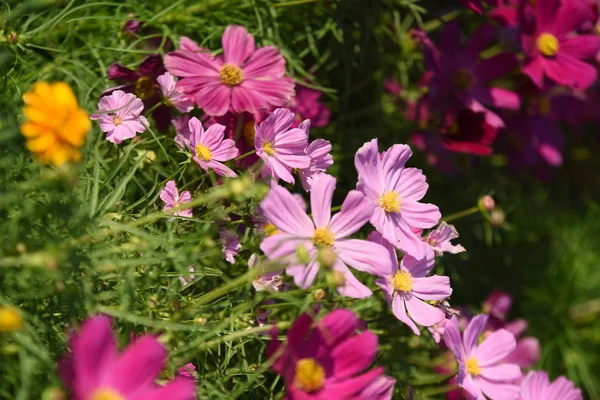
144, 89
268, 148
106, 394
548, 44
323, 237
463, 79
249, 133
270, 229
403, 281
231, 75
117, 120
473, 367
390, 202
203, 153
309, 376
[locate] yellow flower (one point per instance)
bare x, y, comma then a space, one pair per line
10, 319
56, 126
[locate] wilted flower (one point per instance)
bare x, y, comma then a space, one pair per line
440, 240
119, 115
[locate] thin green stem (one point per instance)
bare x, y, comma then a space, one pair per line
461, 214
245, 155
242, 333
443, 20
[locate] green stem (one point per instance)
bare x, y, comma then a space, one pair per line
160, 103
443, 20
242, 333
245, 155
461, 214
336, 208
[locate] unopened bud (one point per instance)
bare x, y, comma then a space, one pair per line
326, 257
54, 394
201, 321
302, 255
319, 294
150, 157
487, 203
12, 37
497, 217
336, 278
21, 248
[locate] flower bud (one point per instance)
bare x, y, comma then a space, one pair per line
487, 203
319, 294
336, 278
497, 218
326, 257
302, 255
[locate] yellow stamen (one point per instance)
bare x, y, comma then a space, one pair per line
107, 394
117, 120
403, 281
323, 237
231, 75
144, 89
270, 229
203, 153
390, 202
548, 44
309, 376
473, 367
268, 148
463, 79
10, 319
248, 132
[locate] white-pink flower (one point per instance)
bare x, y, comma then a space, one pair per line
320, 159
119, 115
272, 281
322, 234
210, 149
231, 245
280, 146
440, 240
407, 287
396, 192
173, 96
172, 198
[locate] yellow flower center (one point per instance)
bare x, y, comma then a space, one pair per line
144, 89
403, 281
231, 75
270, 229
310, 375
268, 148
10, 319
473, 367
203, 153
548, 44
117, 120
463, 79
107, 394
390, 202
323, 237
249, 133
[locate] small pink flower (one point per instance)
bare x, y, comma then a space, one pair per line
322, 233
280, 146
537, 386
210, 149
186, 280
407, 288
231, 245
327, 360
95, 369
320, 159
172, 95
182, 131
243, 78
187, 372
170, 195
273, 281
481, 369
440, 240
396, 191
119, 116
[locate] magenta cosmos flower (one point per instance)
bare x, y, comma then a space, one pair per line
395, 192
407, 288
554, 50
320, 159
481, 369
210, 149
172, 96
327, 360
119, 115
306, 103
280, 146
96, 370
537, 386
440, 240
323, 234
244, 78
172, 198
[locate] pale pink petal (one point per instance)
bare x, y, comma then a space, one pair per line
282, 245
169, 194
365, 256
356, 211
419, 268
368, 165
472, 332
320, 199
399, 310
411, 185
498, 391
238, 44
472, 387
352, 287
221, 169
212, 136
526, 354
393, 163
563, 389
502, 372
423, 313
280, 207
281, 171
304, 275
226, 151
452, 338
266, 62
432, 287
534, 385
420, 215
495, 347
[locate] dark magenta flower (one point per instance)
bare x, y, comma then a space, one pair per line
307, 105
553, 49
458, 73
466, 131
143, 83
327, 360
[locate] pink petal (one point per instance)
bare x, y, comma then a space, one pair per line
185, 43
281, 170
213, 98
304, 276
266, 62
498, 391
452, 338
365, 256
139, 365
186, 64
169, 194
352, 287
356, 211
382, 388
569, 17
419, 268
503, 372
534, 385
238, 45
495, 347
180, 389
563, 389
571, 72
321, 194
535, 70
346, 388
272, 93
213, 136
399, 310
526, 354
246, 99
282, 245
354, 355
221, 170
393, 164
472, 387
420, 215
472, 332
367, 163
581, 47
423, 313
338, 325
280, 207
432, 287
411, 185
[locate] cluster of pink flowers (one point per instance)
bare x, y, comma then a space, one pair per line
477, 104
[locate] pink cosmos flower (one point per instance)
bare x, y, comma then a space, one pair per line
552, 48
186, 280
280, 146
440, 240
481, 369
320, 159
119, 116
395, 192
96, 370
407, 287
273, 281
244, 78
323, 234
231, 245
170, 195
537, 386
210, 149
326, 360
172, 96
